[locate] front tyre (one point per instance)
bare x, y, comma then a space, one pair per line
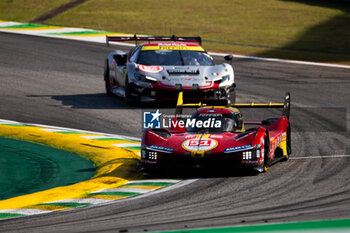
231, 95
107, 79
129, 98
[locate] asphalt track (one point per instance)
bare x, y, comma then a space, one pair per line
59, 82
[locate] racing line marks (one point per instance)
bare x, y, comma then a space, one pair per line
321, 157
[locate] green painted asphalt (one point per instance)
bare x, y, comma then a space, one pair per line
28, 167
336, 225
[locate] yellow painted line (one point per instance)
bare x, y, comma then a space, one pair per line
107, 197
115, 166
47, 207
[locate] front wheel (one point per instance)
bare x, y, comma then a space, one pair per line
107, 79
231, 95
129, 98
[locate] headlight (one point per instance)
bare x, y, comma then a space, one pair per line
225, 78
145, 78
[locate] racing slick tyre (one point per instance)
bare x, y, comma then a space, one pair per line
289, 144
266, 155
107, 79
129, 98
231, 95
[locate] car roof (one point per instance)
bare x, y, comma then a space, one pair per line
171, 46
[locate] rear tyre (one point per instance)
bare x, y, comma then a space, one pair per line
289, 144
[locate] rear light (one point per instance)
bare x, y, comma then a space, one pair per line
149, 155
247, 155
252, 154
152, 155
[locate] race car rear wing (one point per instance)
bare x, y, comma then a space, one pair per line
152, 38
223, 102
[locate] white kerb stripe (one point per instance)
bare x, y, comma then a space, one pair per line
7, 24
98, 137
25, 211
133, 190
81, 201
127, 144
152, 181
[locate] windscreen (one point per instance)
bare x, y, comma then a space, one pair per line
175, 58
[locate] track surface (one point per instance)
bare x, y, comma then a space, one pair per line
59, 82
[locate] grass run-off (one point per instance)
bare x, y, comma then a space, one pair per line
294, 29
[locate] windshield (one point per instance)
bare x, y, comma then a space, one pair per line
209, 123
175, 58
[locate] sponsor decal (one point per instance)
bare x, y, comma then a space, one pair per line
200, 145
151, 120
176, 71
172, 46
238, 148
216, 136
161, 148
150, 69
190, 136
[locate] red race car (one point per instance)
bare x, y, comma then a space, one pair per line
215, 135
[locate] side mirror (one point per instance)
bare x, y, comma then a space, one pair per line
228, 57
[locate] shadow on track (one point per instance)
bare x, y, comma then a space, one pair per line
101, 101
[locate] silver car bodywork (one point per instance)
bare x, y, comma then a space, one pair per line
137, 78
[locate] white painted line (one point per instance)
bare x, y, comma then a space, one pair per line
53, 130
321, 157
134, 190
283, 60
8, 24
25, 211
92, 201
58, 30
92, 137
153, 181
127, 145
73, 130
102, 39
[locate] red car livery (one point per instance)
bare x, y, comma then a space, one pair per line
216, 135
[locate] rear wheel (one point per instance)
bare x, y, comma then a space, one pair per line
289, 144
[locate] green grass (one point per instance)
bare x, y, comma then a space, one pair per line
295, 29
26, 10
